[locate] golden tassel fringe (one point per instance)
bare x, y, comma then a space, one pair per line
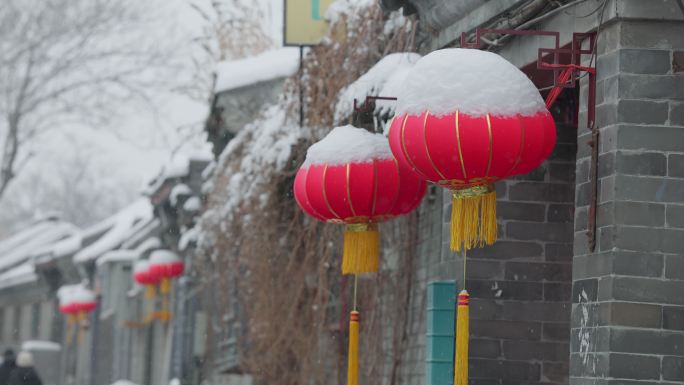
353, 357
473, 218
71, 323
361, 252
150, 291
462, 332
165, 286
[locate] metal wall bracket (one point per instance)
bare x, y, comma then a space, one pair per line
565, 76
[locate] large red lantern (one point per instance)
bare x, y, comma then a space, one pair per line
350, 177
466, 119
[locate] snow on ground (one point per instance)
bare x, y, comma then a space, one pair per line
348, 144
120, 226
471, 81
383, 79
278, 63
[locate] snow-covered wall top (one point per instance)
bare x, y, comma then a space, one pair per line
266, 66
471, 81
348, 144
385, 78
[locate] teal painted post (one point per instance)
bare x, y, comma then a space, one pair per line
440, 333
316, 9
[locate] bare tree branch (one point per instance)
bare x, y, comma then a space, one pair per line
72, 61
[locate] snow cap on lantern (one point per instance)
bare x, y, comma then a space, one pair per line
466, 118
351, 177
76, 299
165, 264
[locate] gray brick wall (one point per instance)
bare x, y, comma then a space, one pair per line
628, 295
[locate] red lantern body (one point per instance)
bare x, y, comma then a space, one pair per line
165, 265
358, 192
351, 178
459, 151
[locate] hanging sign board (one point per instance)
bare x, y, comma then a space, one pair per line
304, 22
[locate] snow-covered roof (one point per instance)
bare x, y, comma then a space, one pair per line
25, 244
35, 345
470, 81
120, 227
21, 274
177, 166
269, 65
348, 144
385, 78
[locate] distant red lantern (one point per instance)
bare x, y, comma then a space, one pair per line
165, 265
351, 177
466, 119
143, 276
76, 301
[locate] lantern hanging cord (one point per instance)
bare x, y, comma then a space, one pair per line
356, 283
464, 267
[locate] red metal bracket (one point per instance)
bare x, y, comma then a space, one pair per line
565, 76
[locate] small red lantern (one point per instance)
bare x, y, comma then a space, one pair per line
350, 177
76, 301
165, 265
143, 276
466, 119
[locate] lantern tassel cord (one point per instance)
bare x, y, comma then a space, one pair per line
71, 323
473, 218
81, 320
353, 354
165, 290
361, 252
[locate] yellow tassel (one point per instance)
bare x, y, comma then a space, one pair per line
82, 319
150, 291
361, 249
473, 218
462, 326
71, 322
353, 358
165, 286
